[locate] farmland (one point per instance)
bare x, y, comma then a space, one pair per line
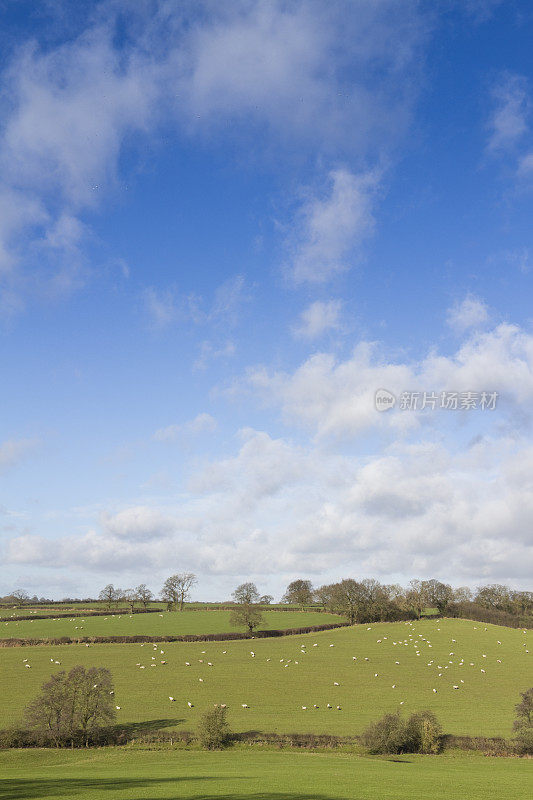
155, 624
378, 668
125, 774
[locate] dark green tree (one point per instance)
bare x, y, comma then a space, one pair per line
213, 731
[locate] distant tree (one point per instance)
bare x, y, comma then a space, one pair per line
266, 599
130, 597
20, 596
437, 594
176, 589
415, 598
298, 593
246, 615
73, 705
342, 598
523, 603
523, 724
109, 595
213, 731
246, 593
143, 594
462, 594
495, 595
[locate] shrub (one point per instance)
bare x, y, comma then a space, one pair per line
387, 735
214, 732
421, 733
524, 723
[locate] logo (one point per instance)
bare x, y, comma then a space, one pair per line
383, 400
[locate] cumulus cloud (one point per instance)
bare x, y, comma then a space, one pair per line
276, 508
202, 423
330, 228
335, 398
318, 318
138, 524
469, 313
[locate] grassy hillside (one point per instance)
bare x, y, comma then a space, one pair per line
159, 624
125, 774
489, 664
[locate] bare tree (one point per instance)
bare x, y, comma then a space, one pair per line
21, 596
437, 594
299, 593
246, 615
176, 588
246, 593
143, 594
130, 596
266, 599
109, 595
73, 705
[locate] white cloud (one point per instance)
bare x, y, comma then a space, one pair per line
212, 352
138, 524
285, 66
469, 313
509, 121
304, 73
276, 508
318, 318
330, 229
13, 451
335, 398
202, 423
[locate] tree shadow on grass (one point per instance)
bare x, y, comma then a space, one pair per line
19, 788
34, 789
146, 726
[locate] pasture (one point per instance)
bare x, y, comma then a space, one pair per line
126, 774
366, 670
162, 623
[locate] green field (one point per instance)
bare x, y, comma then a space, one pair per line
127, 774
276, 690
163, 623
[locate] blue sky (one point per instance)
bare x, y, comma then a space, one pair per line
223, 227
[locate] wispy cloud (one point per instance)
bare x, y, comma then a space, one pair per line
318, 318
13, 451
331, 227
512, 106
202, 423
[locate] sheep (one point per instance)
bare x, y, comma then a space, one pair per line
171, 699
189, 703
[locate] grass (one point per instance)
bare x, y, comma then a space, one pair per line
125, 774
276, 691
161, 624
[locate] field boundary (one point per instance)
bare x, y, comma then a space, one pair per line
191, 637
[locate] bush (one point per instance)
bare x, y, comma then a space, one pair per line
421, 733
214, 732
524, 723
387, 735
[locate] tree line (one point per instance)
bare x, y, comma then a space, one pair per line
364, 600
